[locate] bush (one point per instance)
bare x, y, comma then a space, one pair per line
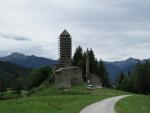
38, 76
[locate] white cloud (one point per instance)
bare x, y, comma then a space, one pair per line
114, 29
14, 37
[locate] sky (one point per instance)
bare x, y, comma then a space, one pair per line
114, 29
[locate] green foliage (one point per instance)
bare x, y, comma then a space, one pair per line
77, 58
84, 66
95, 67
17, 85
143, 78
2, 86
138, 81
92, 62
10, 72
120, 82
103, 74
38, 76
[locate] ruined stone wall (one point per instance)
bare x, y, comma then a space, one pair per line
66, 77
95, 80
62, 79
76, 77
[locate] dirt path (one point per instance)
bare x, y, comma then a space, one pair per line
104, 106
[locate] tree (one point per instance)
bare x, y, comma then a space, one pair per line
84, 66
77, 58
92, 62
138, 81
2, 85
143, 78
38, 76
120, 81
17, 85
103, 74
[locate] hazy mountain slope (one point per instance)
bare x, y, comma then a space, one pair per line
14, 69
10, 71
114, 68
28, 61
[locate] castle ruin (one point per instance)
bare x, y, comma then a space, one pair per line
65, 75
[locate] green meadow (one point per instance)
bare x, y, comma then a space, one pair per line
134, 104
50, 100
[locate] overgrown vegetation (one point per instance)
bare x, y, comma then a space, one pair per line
14, 79
9, 72
38, 76
138, 81
95, 67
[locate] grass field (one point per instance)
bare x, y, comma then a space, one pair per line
50, 100
134, 104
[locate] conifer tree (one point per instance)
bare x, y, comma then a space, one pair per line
92, 62
77, 58
143, 78
103, 74
84, 65
120, 80
2, 85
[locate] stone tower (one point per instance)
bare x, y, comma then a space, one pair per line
65, 49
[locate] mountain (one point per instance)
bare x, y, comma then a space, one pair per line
28, 61
115, 68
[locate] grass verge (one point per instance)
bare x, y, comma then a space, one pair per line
134, 104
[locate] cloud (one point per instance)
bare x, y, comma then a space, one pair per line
114, 29
14, 37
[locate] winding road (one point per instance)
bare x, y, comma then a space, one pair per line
104, 106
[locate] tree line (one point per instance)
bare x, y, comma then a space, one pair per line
17, 78
95, 67
137, 81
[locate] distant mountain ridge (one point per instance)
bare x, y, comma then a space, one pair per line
28, 61
114, 68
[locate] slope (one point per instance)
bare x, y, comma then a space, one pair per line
50, 100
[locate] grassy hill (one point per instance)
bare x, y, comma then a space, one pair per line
134, 104
50, 100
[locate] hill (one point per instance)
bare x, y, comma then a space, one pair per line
10, 71
51, 100
28, 61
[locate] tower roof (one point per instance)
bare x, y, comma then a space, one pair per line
65, 33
